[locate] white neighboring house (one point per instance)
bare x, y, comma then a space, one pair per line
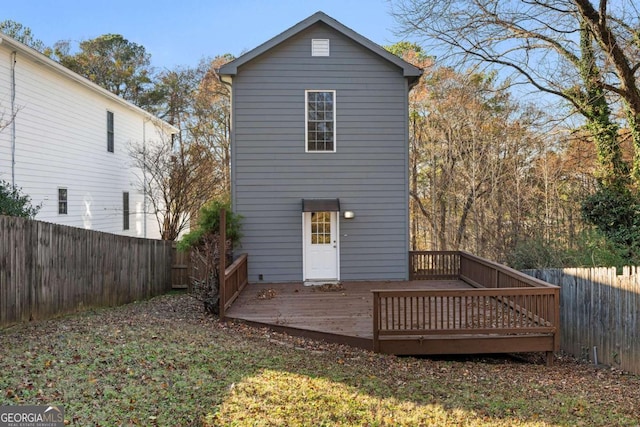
68, 146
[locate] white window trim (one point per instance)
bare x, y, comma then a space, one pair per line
66, 201
126, 219
306, 121
111, 132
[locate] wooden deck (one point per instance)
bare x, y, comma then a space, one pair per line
342, 314
456, 303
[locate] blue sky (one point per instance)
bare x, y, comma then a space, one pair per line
182, 32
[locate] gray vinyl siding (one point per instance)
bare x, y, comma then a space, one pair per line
272, 173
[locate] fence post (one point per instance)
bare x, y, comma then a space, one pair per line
222, 250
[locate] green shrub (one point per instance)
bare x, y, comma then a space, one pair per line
209, 224
203, 244
14, 203
593, 249
616, 214
590, 249
535, 253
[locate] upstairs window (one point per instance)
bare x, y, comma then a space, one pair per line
320, 121
62, 201
125, 210
110, 132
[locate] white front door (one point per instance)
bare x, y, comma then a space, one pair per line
320, 246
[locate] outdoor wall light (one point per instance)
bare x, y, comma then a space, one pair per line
349, 215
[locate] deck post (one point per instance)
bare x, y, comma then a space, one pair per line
550, 356
556, 319
222, 250
376, 321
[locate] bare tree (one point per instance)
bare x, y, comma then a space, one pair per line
566, 48
471, 152
176, 179
211, 126
616, 32
183, 174
6, 119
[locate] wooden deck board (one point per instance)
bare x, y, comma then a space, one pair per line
347, 312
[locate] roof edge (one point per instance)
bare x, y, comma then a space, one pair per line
409, 70
57, 67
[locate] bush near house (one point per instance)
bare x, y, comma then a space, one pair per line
14, 203
203, 242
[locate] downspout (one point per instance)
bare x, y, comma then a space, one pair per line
144, 178
13, 119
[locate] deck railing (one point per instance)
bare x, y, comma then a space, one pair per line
505, 303
235, 279
464, 311
431, 265
480, 272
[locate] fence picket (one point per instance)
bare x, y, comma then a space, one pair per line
599, 309
48, 269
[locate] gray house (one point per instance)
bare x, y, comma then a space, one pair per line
320, 155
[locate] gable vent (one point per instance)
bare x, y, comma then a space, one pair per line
320, 47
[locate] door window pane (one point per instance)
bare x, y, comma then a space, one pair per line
321, 228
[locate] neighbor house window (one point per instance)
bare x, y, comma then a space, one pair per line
320, 120
110, 131
62, 201
125, 210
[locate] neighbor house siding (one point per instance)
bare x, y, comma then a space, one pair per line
61, 142
272, 173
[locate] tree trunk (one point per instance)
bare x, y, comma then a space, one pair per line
628, 89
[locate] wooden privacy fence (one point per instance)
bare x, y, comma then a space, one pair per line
600, 313
507, 311
180, 268
187, 268
48, 269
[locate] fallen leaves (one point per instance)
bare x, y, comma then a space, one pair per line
267, 294
165, 362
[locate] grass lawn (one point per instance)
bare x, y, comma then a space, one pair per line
163, 362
